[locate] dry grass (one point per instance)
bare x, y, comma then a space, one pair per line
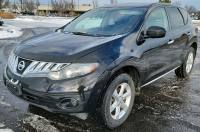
7, 15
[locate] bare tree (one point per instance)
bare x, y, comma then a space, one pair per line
62, 6
72, 5
54, 5
113, 1
37, 3
191, 8
177, 3
95, 3
8, 5
66, 5
21, 5
1, 4
57, 5
29, 4
5, 4
14, 6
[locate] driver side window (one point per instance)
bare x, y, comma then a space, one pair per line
157, 18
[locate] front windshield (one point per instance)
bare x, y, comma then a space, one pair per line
105, 21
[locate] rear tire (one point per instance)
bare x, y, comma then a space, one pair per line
117, 102
186, 68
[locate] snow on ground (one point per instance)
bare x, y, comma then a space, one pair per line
8, 31
56, 20
3, 128
39, 123
197, 23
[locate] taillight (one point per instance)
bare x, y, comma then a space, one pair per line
197, 30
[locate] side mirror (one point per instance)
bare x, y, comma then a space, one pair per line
155, 32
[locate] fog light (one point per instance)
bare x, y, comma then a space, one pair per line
68, 103
74, 102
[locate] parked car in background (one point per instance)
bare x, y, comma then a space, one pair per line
50, 15
1, 21
27, 13
95, 64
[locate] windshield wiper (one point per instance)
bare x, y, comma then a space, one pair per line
115, 34
83, 33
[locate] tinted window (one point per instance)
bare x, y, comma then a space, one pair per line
175, 17
185, 15
158, 18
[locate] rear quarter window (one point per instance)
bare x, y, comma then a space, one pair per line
184, 14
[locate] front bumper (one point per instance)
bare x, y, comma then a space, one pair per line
48, 100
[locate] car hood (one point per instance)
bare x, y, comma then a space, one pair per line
60, 47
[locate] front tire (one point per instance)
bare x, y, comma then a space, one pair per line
117, 102
186, 68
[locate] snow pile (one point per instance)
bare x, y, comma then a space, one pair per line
3, 129
8, 31
38, 124
197, 23
55, 20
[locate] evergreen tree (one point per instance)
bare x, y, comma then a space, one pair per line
165, 1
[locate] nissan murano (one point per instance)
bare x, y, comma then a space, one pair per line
96, 64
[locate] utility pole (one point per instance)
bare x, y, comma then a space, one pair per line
22, 5
48, 6
78, 6
15, 5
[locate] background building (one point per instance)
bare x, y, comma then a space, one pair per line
77, 9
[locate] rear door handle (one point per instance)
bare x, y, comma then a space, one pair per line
170, 42
189, 33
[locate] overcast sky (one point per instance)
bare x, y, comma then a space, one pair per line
102, 2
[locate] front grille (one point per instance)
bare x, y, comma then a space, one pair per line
32, 66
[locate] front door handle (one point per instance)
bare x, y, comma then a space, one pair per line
170, 42
189, 33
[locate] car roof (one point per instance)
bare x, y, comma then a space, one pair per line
145, 5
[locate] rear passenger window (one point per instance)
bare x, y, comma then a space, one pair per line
158, 18
185, 15
175, 18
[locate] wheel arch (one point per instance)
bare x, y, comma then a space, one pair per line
130, 70
194, 45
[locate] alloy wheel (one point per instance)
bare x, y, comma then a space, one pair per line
120, 101
190, 62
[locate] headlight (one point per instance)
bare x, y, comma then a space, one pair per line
73, 70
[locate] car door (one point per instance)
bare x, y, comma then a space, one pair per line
157, 51
181, 30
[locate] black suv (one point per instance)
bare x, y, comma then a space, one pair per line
96, 63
